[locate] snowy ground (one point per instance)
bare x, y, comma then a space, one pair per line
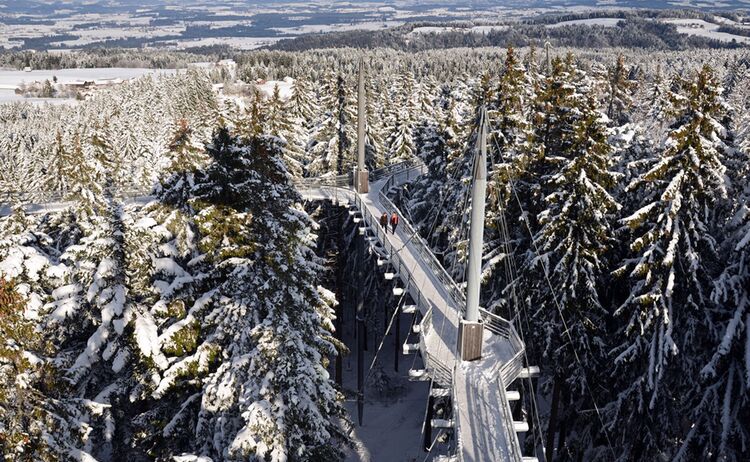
392, 426
440, 29
702, 28
12, 79
607, 22
240, 43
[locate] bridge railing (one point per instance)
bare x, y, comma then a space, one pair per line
495, 324
337, 180
398, 174
440, 372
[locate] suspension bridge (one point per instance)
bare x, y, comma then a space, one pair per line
481, 419
470, 356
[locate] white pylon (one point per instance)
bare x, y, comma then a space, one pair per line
361, 176
476, 236
471, 329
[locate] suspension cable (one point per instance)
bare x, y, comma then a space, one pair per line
562, 316
511, 273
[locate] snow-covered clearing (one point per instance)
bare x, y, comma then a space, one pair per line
285, 87
441, 29
701, 28
322, 28
606, 22
12, 79
240, 43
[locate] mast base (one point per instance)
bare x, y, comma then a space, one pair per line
470, 339
361, 181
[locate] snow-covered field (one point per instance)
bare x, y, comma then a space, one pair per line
607, 22
89, 36
323, 28
240, 43
440, 29
12, 79
701, 28
697, 27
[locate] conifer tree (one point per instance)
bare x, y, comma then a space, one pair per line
374, 143
37, 421
278, 123
259, 341
510, 128
400, 145
720, 419
620, 91
301, 103
570, 249
333, 138
669, 272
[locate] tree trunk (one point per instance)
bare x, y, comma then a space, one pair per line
552, 427
361, 329
563, 425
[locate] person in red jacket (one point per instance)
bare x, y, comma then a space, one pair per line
394, 222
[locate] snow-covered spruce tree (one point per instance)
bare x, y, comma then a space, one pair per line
280, 124
302, 114
254, 121
251, 382
551, 118
600, 83
86, 182
619, 97
720, 422
163, 247
333, 137
739, 100
662, 347
572, 244
400, 120
374, 144
96, 347
173, 209
509, 130
301, 104
425, 205
39, 417
655, 109
37, 421
400, 142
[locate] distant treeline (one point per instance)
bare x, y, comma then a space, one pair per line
553, 18
110, 57
629, 33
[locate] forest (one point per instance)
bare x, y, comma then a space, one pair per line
176, 305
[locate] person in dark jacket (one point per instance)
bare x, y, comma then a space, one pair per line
384, 222
394, 222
